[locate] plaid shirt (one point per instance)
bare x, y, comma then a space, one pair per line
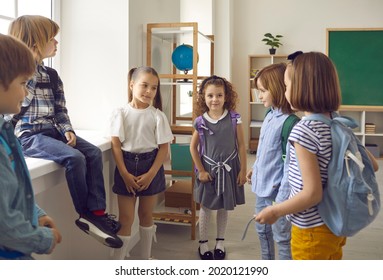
46, 108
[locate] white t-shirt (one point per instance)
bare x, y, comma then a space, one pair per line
140, 130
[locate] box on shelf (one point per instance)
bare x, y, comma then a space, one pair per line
370, 128
253, 144
253, 73
254, 95
179, 194
374, 149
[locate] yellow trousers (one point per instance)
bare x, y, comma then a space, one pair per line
317, 243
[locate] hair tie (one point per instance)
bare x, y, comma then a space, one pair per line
294, 55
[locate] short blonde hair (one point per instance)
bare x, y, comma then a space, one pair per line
15, 60
34, 31
272, 79
314, 84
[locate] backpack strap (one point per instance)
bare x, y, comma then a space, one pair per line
201, 126
234, 116
347, 121
288, 125
267, 111
318, 117
53, 84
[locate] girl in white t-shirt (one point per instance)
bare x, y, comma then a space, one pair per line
140, 135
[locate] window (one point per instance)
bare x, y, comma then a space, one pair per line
11, 9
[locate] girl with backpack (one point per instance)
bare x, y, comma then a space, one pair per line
312, 86
140, 134
266, 176
218, 151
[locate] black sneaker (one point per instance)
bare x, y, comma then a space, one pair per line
103, 228
114, 225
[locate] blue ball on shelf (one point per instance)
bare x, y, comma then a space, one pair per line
182, 57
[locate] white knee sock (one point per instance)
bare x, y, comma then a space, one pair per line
204, 219
146, 235
221, 228
120, 253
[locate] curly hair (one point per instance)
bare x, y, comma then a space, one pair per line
230, 94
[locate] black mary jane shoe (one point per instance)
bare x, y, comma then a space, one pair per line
207, 255
218, 253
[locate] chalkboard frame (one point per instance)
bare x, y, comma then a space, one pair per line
357, 63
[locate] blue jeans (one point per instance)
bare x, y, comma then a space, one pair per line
83, 166
280, 232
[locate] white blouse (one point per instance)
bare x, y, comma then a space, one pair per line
140, 130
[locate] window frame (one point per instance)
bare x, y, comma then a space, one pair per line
55, 15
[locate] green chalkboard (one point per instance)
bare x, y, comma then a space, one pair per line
358, 57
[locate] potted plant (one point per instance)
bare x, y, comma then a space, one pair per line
272, 41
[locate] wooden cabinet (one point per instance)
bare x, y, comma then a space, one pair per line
370, 129
256, 109
162, 40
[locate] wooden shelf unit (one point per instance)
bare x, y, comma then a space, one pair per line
363, 115
172, 34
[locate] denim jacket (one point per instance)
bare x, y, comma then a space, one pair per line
19, 229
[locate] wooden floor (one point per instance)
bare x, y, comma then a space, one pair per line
174, 241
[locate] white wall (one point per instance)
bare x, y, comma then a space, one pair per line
200, 11
99, 44
303, 24
94, 59
223, 33
142, 12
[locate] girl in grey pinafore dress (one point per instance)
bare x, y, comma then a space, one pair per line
218, 151
220, 155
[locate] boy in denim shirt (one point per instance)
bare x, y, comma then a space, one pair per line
24, 227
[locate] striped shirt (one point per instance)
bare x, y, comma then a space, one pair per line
314, 136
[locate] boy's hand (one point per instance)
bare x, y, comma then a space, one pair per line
46, 221
71, 138
56, 239
248, 175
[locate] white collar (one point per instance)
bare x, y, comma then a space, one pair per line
208, 118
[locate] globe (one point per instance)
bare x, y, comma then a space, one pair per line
182, 57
